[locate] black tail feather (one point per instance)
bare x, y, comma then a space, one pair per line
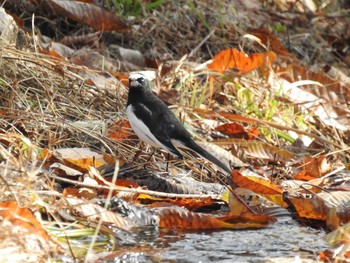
196, 148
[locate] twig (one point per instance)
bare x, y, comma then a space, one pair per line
131, 190
201, 44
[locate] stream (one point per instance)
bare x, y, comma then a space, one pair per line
284, 241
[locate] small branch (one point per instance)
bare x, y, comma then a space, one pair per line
132, 190
201, 44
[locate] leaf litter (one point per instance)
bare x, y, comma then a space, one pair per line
59, 98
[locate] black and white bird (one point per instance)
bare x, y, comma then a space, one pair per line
154, 123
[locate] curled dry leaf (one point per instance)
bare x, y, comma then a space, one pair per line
314, 167
260, 186
95, 213
225, 156
88, 14
81, 158
332, 206
256, 184
265, 151
180, 218
94, 60
339, 235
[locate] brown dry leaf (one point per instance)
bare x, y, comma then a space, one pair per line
82, 164
271, 40
339, 215
265, 151
296, 72
63, 170
338, 236
120, 130
225, 156
122, 77
321, 95
46, 155
96, 61
303, 176
93, 212
264, 220
80, 158
256, 184
309, 207
232, 58
90, 40
235, 204
316, 167
51, 53
320, 206
180, 218
190, 204
22, 217
119, 182
56, 50
84, 194
235, 117
233, 130
88, 14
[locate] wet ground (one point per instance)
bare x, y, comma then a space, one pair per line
284, 241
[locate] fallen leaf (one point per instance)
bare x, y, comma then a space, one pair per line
256, 184
22, 217
181, 218
87, 13
234, 59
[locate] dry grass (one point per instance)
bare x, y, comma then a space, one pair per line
56, 104
45, 99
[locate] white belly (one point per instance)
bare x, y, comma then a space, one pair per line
142, 130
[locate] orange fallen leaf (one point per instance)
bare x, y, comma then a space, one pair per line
180, 218
81, 158
121, 130
82, 164
22, 217
188, 203
249, 217
255, 184
303, 176
234, 59
316, 167
310, 208
232, 129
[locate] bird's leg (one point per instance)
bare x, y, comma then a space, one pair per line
167, 163
137, 154
153, 150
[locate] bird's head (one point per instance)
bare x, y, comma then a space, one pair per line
138, 80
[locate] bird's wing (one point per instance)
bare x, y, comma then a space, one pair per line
159, 125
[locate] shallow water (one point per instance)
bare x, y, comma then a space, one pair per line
284, 241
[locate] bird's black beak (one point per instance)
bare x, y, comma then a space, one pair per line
133, 83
